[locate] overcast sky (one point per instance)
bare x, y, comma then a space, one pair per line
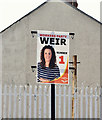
12, 10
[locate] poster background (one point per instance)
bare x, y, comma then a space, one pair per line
57, 48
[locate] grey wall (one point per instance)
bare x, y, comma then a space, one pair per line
0, 58
101, 44
19, 48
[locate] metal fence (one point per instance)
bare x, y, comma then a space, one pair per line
35, 102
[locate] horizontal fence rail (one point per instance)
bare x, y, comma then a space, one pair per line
35, 102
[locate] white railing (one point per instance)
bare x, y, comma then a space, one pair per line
35, 102
86, 102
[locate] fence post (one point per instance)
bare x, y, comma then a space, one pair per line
100, 102
40, 102
4, 102
86, 95
44, 108
19, 105
10, 98
95, 102
35, 102
0, 101
64, 115
91, 101
59, 104
49, 101
81, 103
30, 100
25, 101
69, 101
15, 99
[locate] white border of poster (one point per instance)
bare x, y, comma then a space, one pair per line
57, 43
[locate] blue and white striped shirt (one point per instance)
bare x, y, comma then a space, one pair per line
48, 73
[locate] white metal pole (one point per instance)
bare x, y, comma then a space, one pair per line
0, 101
44, 108
19, 110
49, 101
30, 101
35, 102
91, 101
64, 115
40, 101
5, 103
86, 94
25, 100
69, 102
59, 104
96, 102
10, 98
81, 103
15, 100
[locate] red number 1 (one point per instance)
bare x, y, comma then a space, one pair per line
61, 62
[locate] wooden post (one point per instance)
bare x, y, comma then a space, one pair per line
74, 81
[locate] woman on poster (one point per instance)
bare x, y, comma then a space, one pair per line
47, 68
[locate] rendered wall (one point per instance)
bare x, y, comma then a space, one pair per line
19, 48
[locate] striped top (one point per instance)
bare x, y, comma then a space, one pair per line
48, 73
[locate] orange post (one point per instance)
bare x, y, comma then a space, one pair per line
74, 81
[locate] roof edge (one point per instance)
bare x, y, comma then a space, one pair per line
41, 6
24, 16
84, 13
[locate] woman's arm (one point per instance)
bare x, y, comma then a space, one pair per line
43, 80
57, 72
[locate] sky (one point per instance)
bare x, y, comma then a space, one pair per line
12, 10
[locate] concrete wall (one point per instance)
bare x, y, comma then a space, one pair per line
0, 58
101, 44
19, 48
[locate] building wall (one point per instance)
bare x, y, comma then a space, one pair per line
0, 58
19, 48
101, 45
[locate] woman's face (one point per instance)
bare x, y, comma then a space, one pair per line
47, 55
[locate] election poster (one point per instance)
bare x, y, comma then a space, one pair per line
52, 57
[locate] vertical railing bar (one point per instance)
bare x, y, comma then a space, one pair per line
59, 102
81, 104
19, 102
55, 103
100, 102
86, 90
91, 92
30, 100
44, 108
0, 101
25, 99
10, 95
95, 102
35, 102
69, 102
64, 102
75, 103
40, 93
15, 95
5, 104
50, 101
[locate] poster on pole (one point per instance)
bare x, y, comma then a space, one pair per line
52, 57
